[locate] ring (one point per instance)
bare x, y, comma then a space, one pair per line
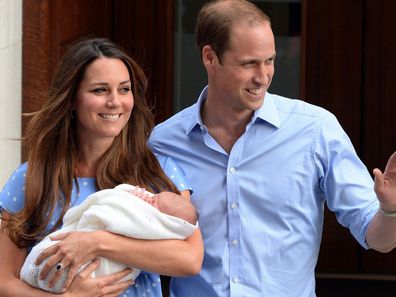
59, 267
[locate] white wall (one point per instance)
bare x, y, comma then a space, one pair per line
10, 86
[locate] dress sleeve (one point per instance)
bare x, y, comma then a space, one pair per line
174, 172
12, 197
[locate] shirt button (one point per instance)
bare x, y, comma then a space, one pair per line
234, 205
235, 279
232, 170
235, 242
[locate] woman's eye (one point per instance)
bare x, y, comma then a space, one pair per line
125, 90
99, 90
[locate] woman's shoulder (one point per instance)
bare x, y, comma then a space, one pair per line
174, 172
12, 196
169, 165
18, 177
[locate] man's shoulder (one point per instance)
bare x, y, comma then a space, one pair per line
179, 119
299, 107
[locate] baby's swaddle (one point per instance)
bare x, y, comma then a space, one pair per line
113, 210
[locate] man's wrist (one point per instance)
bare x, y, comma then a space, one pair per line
388, 213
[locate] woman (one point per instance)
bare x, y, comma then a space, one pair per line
90, 135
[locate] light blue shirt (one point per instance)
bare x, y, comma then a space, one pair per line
12, 199
261, 206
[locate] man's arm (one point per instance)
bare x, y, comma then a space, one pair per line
381, 233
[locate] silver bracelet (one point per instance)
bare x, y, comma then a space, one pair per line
388, 213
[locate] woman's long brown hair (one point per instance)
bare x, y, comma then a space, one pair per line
51, 145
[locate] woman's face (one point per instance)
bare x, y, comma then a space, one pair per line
104, 100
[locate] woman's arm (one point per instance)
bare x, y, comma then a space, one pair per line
12, 259
168, 257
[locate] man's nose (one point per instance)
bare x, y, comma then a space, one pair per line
262, 75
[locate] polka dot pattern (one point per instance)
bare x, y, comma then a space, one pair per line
174, 172
12, 199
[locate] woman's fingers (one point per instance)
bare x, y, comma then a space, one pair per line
52, 249
91, 267
46, 253
60, 236
117, 276
56, 277
73, 270
49, 265
111, 283
105, 286
116, 289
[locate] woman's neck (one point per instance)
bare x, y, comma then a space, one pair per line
88, 157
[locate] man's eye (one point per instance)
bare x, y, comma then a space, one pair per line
248, 64
271, 61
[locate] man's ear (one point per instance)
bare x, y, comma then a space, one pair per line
208, 55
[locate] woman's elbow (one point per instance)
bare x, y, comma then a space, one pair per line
193, 255
5, 286
192, 265
192, 260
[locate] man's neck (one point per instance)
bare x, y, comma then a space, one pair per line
225, 126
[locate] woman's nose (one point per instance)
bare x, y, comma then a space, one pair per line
112, 99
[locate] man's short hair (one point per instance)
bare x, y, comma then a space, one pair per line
216, 19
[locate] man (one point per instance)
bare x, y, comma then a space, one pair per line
261, 167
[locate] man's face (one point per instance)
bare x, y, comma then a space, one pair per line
245, 73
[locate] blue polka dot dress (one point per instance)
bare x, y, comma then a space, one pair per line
12, 199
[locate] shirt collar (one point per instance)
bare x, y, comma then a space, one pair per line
268, 112
195, 119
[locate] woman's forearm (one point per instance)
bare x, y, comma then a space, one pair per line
14, 287
11, 260
167, 257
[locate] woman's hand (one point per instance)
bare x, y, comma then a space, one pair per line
73, 250
109, 285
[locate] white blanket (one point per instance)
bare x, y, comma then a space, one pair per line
116, 211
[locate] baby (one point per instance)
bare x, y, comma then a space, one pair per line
125, 210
